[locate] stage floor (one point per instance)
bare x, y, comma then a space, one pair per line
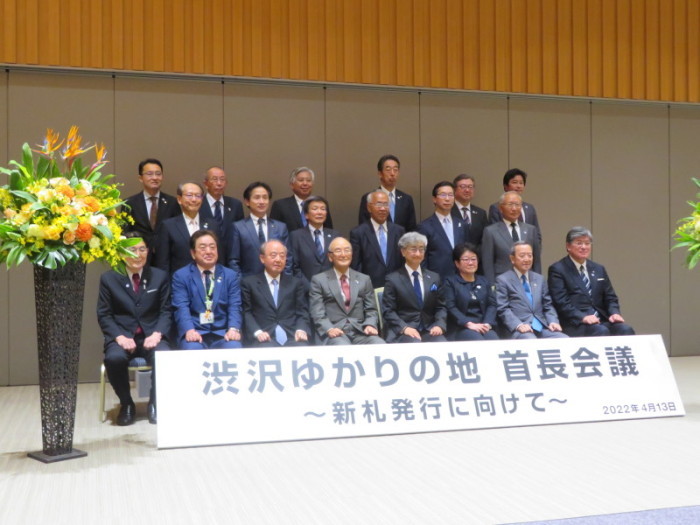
478, 476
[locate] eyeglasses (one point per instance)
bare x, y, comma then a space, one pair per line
136, 251
465, 186
380, 204
153, 173
469, 259
445, 195
340, 251
217, 179
196, 196
580, 244
416, 249
512, 204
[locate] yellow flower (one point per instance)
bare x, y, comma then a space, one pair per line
52, 233
9, 213
35, 231
68, 237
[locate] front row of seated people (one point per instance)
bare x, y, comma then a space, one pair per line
213, 308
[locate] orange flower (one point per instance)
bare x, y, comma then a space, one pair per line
69, 237
72, 148
50, 144
83, 232
101, 152
66, 190
91, 203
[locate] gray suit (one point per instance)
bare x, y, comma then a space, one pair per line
514, 307
497, 243
327, 306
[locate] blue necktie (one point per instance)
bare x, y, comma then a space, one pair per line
280, 334
303, 217
217, 212
317, 242
536, 324
416, 288
447, 225
261, 233
382, 242
585, 280
392, 206
514, 232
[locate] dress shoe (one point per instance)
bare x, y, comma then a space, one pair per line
152, 414
127, 415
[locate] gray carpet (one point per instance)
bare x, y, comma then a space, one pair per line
675, 516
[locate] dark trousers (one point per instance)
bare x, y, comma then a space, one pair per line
599, 330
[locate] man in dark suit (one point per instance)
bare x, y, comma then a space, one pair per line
401, 208
375, 249
522, 299
499, 237
275, 306
412, 308
250, 233
290, 209
207, 299
473, 217
308, 247
443, 231
150, 207
133, 311
342, 304
582, 292
173, 242
224, 209
515, 180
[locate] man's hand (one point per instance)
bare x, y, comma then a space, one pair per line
193, 336
126, 343
152, 341
616, 318
300, 336
554, 327
232, 335
412, 332
263, 337
334, 332
481, 328
524, 328
590, 319
370, 330
436, 330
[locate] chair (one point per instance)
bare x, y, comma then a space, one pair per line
137, 364
378, 293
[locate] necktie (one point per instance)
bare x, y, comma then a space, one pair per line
303, 217
207, 282
448, 231
514, 232
465, 215
416, 288
345, 287
392, 206
584, 278
536, 325
382, 242
317, 242
261, 233
137, 283
217, 212
280, 334
154, 212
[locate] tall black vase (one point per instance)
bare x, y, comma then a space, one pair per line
59, 314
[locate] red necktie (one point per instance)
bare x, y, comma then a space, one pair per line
345, 287
137, 283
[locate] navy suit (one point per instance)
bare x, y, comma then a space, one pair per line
173, 243
401, 310
244, 248
497, 243
121, 311
438, 254
232, 211
530, 216
573, 303
307, 262
367, 255
405, 211
188, 304
475, 231
469, 302
260, 312
167, 207
287, 211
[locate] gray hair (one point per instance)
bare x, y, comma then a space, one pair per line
266, 243
519, 243
370, 199
301, 169
180, 186
412, 239
577, 232
206, 172
503, 197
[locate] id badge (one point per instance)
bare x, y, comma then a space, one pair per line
206, 317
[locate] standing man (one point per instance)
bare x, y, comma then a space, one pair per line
342, 302
401, 209
275, 306
207, 299
375, 243
250, 233
522, 299
173, 242
412, 308
473, 217
150, 207
499, 238
290, 209
309, 245
133, 311
443, 231
582, 292
515, 180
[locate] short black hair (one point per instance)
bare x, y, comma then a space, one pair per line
311, 199
384, 158
512, 173
201, 233
461, 249
257, 184
440, 185
149, 161
133, 234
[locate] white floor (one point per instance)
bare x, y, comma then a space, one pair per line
482, 476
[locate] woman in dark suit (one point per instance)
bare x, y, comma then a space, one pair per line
470, 301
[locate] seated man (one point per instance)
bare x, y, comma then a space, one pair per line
522, 299
582, 292
342, 302
206, 299
275, 306
411, 305
134, 314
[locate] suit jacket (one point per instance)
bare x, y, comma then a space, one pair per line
172, 245
458, 294
571, 298
189, 297
513, 305
367, 255
497, 243
232, 211
405, 211
260, 312
244, 247
530, 216
400, 308
327, 304
438, 255
167, 207
307, 263
475, 231
286, 211
120, 311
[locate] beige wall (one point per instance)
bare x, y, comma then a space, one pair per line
621, 169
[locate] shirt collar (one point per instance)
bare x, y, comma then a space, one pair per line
411, 270
376, 225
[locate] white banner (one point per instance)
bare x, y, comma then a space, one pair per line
213, 397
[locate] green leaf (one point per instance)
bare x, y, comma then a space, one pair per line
106, 232
24, 195
16, 255
27, 158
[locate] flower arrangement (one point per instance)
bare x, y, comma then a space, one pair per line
55, 210
687, 234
